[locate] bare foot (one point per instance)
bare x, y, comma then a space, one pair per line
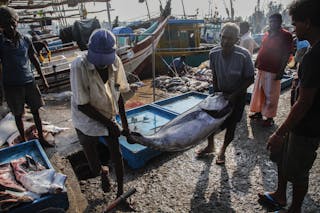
45, 143
204, 151
105, 182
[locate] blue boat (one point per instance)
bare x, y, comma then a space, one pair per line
182, 37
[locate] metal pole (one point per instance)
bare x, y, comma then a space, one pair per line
153, 70
108, 11
148, 9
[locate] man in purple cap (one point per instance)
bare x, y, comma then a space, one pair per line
99, 86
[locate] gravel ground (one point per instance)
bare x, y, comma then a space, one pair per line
178, 182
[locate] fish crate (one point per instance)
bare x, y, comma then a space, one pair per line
146, 120
286, 82
181, 103
34, 149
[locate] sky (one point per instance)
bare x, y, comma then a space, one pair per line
130, 10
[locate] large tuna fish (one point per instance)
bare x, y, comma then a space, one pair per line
189, 128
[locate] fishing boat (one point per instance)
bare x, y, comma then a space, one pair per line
136, 53
182, 37
135, 50
210, 32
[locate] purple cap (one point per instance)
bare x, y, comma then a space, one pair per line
101, 48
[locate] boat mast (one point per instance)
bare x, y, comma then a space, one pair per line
231, 10
184, 11
226, 7
108, 12
148, 9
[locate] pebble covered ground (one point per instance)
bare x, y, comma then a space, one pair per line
179, 182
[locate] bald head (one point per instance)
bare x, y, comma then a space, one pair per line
7, 15
231, 29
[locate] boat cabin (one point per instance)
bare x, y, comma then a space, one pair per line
181, 33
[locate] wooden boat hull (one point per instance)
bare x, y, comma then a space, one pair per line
137, 58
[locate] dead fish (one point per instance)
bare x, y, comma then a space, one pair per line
190, 128
9, 200
23, 165
7, 179
44, 181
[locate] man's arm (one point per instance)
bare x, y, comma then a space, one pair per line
284, 62
248, 73
34, 60
123, 117
285, 57
242, 89
299, 109
91, 112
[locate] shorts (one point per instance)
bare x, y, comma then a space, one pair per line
17, 96
237, 112
97, 153
299, 154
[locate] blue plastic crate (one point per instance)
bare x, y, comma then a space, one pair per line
34, 149
145, 120
181, 103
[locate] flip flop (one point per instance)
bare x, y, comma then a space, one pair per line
202, 153
220, 160
269, 202
281, 211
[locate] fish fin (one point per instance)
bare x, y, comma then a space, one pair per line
218, 113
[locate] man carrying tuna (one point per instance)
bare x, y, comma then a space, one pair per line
233, 73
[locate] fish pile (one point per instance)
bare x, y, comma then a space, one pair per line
189, 128
9, 135
24, 180
196, 79
181, 84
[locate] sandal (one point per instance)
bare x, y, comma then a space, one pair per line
220, 160
256, 116
269, 202
268, 122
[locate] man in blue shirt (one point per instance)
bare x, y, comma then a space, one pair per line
178, 65
16, 53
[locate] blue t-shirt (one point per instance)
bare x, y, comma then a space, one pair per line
302, 44
15, 61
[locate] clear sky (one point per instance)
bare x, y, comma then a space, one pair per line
129, 10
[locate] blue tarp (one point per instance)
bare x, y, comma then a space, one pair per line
123, 30
185, 21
